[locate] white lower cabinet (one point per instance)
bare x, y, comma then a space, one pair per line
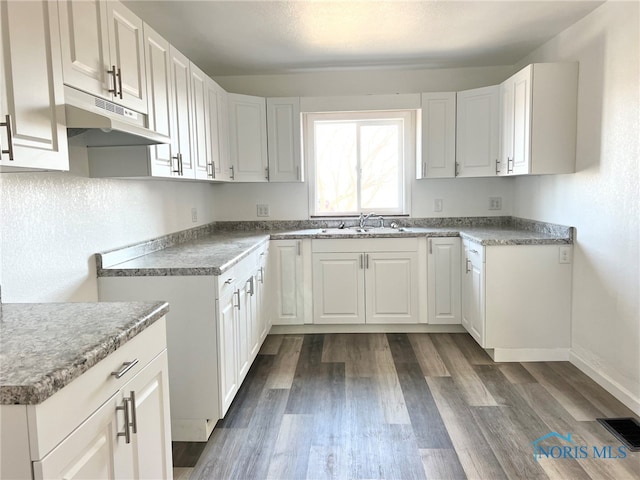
516, 301
443, 272
375, 281
100, 426
214, 334
288, 280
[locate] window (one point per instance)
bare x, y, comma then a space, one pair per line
357, 161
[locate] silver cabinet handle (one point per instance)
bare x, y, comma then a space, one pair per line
366, 260
457, 169
497, 166
233, 174
134, 417
237, 292
430, 247
474, 251
211, 165
119, 75
229, 281
251, 286
113, 73
126, 434
181, 165
126, 366
266, 173
467, 266
361, 261
509, 161
9, 149
261, 274
298, 246
177, 159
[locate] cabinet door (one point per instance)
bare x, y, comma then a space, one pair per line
286, 282
93, 450
521, 121
473, 294
248, 138
391, 280
506, 128
443, 272
283, 139
199, 113
126, 50
158, 61
338, 288
148, 394
244, 331
477, 132
438, 135
180, 108
227, 335
262, 312
217, 130
254, 318
85, 46
31, 89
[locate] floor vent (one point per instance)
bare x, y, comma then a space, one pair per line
627, 430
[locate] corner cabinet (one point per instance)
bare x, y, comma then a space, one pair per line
375, 281
117, 428
477, 132
33, 133
248, 138
289, 270
443, 272
516, 301
438, 135
539, 120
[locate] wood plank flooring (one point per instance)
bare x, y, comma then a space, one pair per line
403, 406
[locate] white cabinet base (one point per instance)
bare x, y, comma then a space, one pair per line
192, 430
365, 328
528, 354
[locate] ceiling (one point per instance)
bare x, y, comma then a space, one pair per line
265, 37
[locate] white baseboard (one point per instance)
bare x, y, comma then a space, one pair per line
529, 354
365, 328
191, 429
606, 382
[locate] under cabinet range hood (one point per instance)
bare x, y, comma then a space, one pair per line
106, 124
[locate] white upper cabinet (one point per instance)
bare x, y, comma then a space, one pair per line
477, 132
158, 62
248, 138
538, 120
283, 134
217, 130
181, 138
103, 51
438, 135
199, 114
33, 130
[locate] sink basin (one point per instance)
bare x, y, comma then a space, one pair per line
364, 230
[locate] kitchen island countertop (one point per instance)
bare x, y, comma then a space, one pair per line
45, 346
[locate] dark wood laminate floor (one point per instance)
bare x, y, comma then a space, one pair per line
404, 406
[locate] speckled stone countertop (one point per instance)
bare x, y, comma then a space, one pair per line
213, 249
44, 346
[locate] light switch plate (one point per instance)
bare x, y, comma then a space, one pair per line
437, 205
565, 254
495, 203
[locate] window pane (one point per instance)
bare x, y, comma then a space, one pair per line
380, 150
336, 160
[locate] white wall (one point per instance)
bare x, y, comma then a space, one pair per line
461, 197
53, 223
602, 199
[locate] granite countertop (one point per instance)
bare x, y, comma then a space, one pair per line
44, 346
209, 255
214, 252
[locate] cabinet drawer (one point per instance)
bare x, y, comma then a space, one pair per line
227, 282
51, 421
475, 252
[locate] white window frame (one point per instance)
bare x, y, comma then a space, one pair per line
409, 152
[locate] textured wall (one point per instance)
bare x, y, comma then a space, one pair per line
602, 199
53, 223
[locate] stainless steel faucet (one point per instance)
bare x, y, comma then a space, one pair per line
363, 218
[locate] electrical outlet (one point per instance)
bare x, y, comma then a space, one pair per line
437, 205
565, 254
262, 210
194, 215
495, 203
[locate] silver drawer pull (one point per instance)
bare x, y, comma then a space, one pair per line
126, 366
229, 281
474, 251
